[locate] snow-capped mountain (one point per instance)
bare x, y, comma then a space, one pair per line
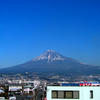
51, 61
50, 56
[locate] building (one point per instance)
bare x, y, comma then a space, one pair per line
73, 92
15, 88
28, 89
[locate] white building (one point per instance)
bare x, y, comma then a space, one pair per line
15, 88
73, 93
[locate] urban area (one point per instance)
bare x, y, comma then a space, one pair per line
33, 87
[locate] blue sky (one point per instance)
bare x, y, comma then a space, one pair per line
30, 27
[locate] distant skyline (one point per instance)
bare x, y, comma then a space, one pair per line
30, 27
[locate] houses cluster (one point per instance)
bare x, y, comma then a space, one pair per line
21, 89
24, 89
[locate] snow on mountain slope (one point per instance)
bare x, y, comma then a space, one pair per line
51, 56
51, 61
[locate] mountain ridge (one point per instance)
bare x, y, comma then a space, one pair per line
51, 61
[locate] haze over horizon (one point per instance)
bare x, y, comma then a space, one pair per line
30, 27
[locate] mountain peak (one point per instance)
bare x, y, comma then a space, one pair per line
50, 56
50, 50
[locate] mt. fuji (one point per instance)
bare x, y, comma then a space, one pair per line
51, 56
51, 61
